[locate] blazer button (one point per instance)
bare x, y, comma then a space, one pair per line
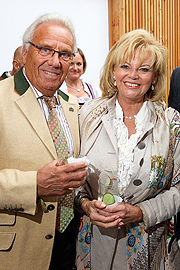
141, 145
50, 207
141, 162
137, 182
48, 236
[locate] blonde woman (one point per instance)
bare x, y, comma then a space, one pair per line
129, 134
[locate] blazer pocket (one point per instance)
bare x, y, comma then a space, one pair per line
6, 241
7, 219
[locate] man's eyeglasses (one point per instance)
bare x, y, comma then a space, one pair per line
49, 52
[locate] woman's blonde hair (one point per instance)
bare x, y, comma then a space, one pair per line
124, 50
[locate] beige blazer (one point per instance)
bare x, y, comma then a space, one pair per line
26, 232
153, 155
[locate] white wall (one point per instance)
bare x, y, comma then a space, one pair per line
90, 19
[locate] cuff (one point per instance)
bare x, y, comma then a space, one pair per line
145, 222
78, 200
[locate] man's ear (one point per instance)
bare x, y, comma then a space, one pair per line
15, 65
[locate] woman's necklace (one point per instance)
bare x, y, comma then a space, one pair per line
77, 89
129, 117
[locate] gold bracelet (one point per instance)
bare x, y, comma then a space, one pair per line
81, 200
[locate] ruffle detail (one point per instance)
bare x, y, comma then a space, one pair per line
126, 145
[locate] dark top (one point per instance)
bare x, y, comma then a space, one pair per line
174, 102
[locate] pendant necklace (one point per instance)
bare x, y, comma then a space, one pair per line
129, 117
77, 89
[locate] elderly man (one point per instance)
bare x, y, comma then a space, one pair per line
17, 63
36, 184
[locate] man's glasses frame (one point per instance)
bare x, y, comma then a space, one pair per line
49, 52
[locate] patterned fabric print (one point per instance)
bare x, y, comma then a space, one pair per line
175, 134
161, 170
100, 110
175, 125
157, 179
134, 239
56, 129
65, 211
85, 234
136, 247
157, 244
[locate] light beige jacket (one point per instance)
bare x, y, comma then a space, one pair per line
156, 161
26, 232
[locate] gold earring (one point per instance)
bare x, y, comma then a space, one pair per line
152, 85
114, 80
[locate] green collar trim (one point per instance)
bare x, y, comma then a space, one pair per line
63, 95
20, 83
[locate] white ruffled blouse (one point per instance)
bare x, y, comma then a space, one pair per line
126, 145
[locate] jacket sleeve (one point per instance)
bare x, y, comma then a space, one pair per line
160, 208
167, 203
18, 191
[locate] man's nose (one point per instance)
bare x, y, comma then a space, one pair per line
55, 60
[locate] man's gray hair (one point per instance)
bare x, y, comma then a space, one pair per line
54, 18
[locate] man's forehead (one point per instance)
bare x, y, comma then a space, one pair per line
53, 32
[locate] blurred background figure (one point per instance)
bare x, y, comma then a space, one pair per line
17, 64
174, 102
73, 83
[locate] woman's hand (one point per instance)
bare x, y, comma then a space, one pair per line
126, 212
96, 211
171, 228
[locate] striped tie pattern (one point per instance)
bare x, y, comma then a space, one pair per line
65, 211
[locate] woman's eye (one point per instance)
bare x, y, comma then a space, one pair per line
144, 69
124, 66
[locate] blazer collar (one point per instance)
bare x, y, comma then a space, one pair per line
21, 85
27, 100
107, 120
102, 115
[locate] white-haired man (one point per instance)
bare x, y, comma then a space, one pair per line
33, 177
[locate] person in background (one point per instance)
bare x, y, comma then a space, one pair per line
74, 85
39, 131
174, 102
17, 63
133, 139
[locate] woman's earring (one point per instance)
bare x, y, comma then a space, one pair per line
152, 85
114, 80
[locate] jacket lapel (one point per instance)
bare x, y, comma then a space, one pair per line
105, 120
28, 104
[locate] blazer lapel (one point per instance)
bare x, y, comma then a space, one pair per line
104, 121
30, 107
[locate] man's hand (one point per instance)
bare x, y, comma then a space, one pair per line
55, 178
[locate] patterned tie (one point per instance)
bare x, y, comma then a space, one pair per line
65, 211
